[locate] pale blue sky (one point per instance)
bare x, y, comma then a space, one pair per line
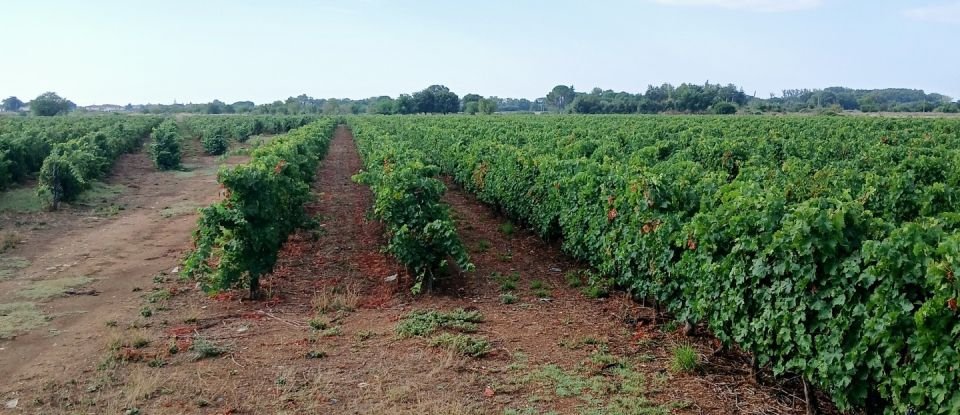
194, 51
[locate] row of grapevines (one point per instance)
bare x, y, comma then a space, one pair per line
26, 142
237, 238
165, 145
407, 200
216, 131
827, 247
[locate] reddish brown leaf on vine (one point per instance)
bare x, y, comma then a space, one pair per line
279, 167
952, 304
651, 226
691, 244
612, 214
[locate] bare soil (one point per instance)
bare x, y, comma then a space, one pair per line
325, 340
112, 250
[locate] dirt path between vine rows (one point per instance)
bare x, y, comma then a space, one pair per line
326, 339
75, 271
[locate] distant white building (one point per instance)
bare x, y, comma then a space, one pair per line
104, 108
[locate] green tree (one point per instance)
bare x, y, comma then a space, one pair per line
468, 99
724, 108
560, 97
436, 98
12, 104
405, 104
472, 108
381, 105
487, 106
49, 104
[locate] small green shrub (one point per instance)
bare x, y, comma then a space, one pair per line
685, 359
573, 279
507, 282
203, 348
507, 228
424, 322
462, 344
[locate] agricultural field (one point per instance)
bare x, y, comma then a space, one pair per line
522, 264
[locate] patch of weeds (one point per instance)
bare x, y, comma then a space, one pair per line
203, 348
508, 298
146, 312
671, 326
22, 200
319, 323
187, 171
598, 286
159, 279
603, 359
107, 211
505, 257
585, 341
365, 335
137, 340
574, 279
540, 289
336, 299
10, 265
566, 384
421, 323
482, 246
100, 194
156, 362
507, 228
19, 317
316, 354
462, 344
619, 390
158, 296
519, 361
528, 411
332, 331
179, 209
685, 359
8, 241
507, 282
44, 289
112, 323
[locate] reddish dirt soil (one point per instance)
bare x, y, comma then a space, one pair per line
337, 279
120, 251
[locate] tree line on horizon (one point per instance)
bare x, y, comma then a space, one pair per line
666, 98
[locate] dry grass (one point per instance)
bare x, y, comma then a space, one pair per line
142, 385
45, 289
340, 298
19, 317
8, 240
10, 265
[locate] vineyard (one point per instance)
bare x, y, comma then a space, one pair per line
825, 247
819, 252
66, 154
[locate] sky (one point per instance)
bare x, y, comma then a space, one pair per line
133, 51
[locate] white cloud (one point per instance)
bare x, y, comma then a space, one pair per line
750, 5
940, 13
